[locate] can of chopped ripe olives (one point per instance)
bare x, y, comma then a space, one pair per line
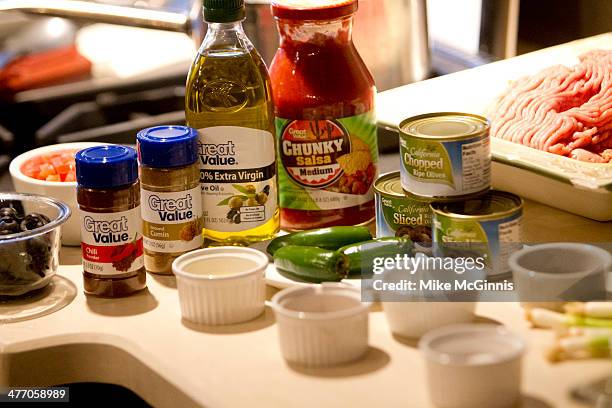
399, 214
445, 154
487, 227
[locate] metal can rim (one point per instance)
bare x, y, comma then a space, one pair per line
384, 177
483, 133
497, 215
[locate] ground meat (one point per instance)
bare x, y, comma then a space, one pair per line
561, 110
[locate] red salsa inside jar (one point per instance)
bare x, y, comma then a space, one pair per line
326, 129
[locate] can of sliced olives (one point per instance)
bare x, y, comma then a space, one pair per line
399, 214
445, 154
487, 227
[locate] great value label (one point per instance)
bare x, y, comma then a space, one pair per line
434, 168
237, 177
111, 243
326, 164
172, 220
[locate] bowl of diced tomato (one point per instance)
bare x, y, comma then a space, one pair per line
50, 171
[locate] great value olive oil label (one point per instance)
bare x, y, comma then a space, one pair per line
237, 177
445, 155
172, 220
326, 164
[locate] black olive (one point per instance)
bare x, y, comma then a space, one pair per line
33, 221
236, 219
231, 213
8, 225
266, 190
8, 212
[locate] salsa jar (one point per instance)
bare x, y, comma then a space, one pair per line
325, 120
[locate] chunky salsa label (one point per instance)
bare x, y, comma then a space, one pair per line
326, 164
310, 150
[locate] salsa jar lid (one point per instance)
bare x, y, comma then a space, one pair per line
313, 9
167, 146
106, 166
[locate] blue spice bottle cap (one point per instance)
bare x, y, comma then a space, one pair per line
107, 166
168, 146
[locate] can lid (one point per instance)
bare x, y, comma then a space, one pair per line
313, 9
445, 125
389, 184
223, 11
167, 146
106, 166
493, 204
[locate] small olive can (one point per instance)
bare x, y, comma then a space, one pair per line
487, 227
445, 155
399, 214
171, 194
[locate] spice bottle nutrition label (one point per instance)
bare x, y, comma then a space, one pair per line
476, 173
172, 220
112, 242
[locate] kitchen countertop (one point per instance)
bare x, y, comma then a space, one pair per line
140, 342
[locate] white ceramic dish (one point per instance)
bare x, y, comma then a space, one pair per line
321, 325
63, 191
222, 285
548, 274
413, 313
473, 365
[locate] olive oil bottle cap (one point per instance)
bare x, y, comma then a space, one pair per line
223, 11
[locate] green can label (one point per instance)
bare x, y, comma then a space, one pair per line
326, 164
443, 169
402, 216
493, 240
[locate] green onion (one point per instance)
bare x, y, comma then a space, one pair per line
579, 347
549, 319
590, 309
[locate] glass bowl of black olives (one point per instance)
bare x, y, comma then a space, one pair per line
29, 241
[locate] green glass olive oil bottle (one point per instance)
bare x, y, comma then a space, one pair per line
228, 99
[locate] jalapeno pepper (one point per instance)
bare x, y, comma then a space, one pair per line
380, 247
326, 238
312, 264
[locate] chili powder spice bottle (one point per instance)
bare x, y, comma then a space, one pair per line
325, 118
108, 194
171, 194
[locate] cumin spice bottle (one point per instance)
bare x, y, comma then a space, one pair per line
171, 195
108, 194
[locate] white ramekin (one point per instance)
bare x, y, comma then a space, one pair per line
210, 299
321, 325
473, 365
62, 191
546, 275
